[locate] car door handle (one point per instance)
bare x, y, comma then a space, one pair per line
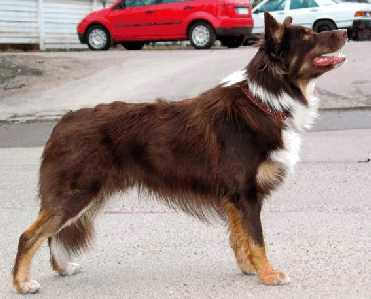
314, 10
281, 13
188, 7
149, 12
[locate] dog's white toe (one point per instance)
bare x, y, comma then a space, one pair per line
71, 269
29, 287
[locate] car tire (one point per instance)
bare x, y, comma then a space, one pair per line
232, 41
251, 40
356, 34
98, 38
324, 25
133, 45
202, 35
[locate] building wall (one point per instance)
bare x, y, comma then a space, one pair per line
19, 22
60, 20
49, 23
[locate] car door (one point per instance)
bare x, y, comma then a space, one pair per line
168, 16
276, 8
304, 12
171, 16
132, 19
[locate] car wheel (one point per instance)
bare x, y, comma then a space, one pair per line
355, 35
202, 35
98, 38
251, 40
232, 41
133, 45
324, 25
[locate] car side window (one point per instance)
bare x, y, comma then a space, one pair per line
273, 5
169, 1
296, 4
137, 3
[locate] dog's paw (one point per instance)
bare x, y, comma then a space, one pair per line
274, 278
27, 287
70, 269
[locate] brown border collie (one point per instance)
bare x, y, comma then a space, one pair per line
222, 152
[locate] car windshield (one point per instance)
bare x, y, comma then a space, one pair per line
273, 5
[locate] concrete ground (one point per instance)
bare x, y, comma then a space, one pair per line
45, 85
317, 229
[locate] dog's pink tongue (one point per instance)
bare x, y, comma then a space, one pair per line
328, 60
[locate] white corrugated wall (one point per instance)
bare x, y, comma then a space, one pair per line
60, 19
50, 23
19, 22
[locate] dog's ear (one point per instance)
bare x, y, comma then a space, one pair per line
273, 30
287, 22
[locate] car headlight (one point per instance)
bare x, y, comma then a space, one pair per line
362, 13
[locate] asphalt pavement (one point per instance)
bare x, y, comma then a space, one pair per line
146, 75
317, 229
317, 226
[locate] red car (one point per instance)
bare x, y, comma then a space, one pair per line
135, 22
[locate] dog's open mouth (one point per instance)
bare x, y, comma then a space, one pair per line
330, 59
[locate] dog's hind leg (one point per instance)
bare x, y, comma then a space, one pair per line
30, 241
67, 230
71, 240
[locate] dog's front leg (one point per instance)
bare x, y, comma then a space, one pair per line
247, 241
238, 240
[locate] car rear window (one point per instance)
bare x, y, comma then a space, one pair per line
296, 4
273, 5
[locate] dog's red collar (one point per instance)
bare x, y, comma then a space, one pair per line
277, 115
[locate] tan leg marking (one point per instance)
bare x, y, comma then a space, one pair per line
34, 236
250, 257
264, 269
21, 280
238, 240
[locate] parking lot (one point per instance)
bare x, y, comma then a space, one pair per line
71, 80
317, 229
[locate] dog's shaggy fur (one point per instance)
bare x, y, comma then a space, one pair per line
220, 152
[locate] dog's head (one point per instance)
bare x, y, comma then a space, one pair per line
299, 52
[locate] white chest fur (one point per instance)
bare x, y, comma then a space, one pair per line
289, 155
302, 118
